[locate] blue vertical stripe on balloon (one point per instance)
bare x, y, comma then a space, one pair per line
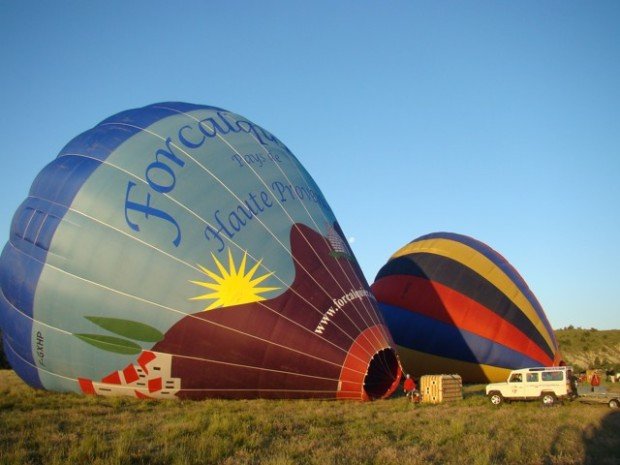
16, 340
144, 117
417, 332
104, 138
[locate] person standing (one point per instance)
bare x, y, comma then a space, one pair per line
595, 381
409, 387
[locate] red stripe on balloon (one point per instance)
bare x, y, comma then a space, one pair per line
356, 364
86, 385
112, 378
130, 374
140, 395
155, 385
432, 299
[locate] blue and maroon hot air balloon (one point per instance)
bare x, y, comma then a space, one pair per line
454, 305
181, 250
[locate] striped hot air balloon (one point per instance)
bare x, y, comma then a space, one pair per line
454, 305
182, 251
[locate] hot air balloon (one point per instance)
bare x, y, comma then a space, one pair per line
454, 305
182, 251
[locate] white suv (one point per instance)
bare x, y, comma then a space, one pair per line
547, 384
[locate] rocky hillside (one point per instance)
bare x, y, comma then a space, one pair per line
590, 348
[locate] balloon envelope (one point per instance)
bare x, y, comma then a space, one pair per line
454, 305
181, 250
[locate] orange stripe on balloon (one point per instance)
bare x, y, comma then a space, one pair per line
365, 346
444, 304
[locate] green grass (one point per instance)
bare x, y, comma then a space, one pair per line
38, 427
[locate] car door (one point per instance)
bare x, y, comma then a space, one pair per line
516, 385
533, 385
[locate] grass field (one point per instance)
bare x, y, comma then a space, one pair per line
39, 427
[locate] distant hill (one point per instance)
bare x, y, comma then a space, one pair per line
590, 348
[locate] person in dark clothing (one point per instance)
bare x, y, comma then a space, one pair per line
572, 382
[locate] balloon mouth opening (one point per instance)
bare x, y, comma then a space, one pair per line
383, 374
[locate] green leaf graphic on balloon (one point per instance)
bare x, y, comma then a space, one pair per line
126, 328
111, 343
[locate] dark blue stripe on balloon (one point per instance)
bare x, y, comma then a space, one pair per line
417, 332
59, 182
104, 138
99, 142
467, 282
36, 220
27, 372
144, 117
34, 225
19, 274
501, 262
16, 334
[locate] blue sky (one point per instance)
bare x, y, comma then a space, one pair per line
499, 120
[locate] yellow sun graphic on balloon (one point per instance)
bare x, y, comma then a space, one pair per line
233, 286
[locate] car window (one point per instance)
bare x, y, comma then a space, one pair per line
515, 378
552, 376
532, 377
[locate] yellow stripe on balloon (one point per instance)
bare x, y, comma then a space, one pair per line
473, 259
420, 363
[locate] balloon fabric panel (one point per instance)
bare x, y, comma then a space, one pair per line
444, 304
181, 250
484, 261
452, 302
442, 270
498, 260
447, 340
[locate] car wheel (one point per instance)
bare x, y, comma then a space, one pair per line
614, 404
496, 398
548, 399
